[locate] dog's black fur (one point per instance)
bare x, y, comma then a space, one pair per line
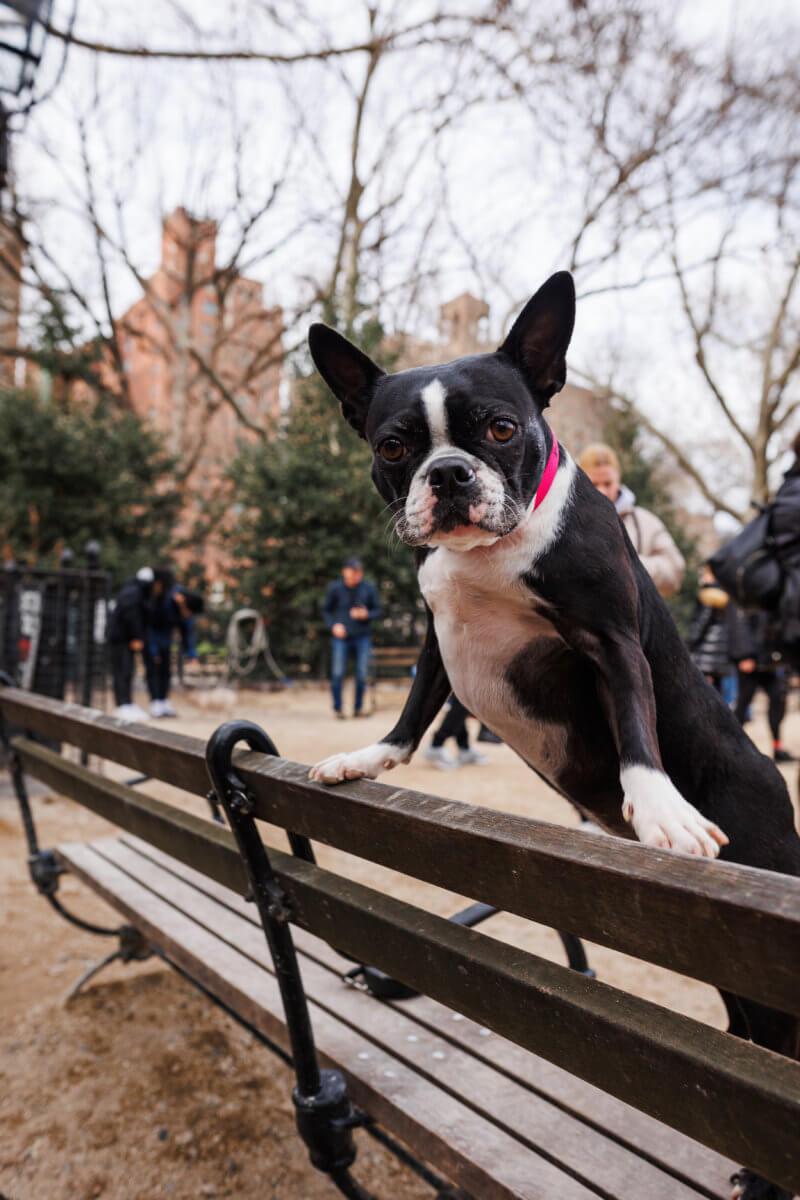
598, 658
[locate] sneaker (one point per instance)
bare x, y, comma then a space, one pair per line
361, 713
439, 757
486, 735
471, 758
130, 712
337, 712
156, 708
167, 710
782, 755
589, 826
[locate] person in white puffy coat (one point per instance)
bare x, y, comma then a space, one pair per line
651, 539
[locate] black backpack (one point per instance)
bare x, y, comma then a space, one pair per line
747, 566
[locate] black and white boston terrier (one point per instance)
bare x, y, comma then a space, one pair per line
543, 621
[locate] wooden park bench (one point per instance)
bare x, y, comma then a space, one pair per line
391, 659
509, 1075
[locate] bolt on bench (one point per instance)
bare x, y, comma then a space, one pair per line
511, 1076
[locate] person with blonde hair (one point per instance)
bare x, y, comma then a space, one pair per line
651, 539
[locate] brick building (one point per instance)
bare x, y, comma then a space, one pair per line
194, 312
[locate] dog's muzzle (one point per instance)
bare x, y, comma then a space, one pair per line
452, 478
453, 493
453, 483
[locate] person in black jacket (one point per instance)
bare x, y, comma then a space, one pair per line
785, 534
126, 637
760, 664
712, 629
351, 604
171, 609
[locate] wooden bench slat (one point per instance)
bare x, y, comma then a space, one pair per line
741, 1100
175, 758
732, 926
473, 1152
584, 1151
675, 1152
722, 923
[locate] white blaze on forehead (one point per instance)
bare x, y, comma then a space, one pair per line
433, 396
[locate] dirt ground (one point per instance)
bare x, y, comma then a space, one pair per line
140, 1087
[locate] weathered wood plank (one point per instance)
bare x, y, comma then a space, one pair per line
161, 753
582, 1150
735, 927
674, 1152
473, 1152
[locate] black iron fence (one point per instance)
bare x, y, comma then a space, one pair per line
53, 628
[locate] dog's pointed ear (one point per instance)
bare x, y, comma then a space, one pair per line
537, 343
349, 373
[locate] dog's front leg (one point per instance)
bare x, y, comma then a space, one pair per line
652, 804
428, 693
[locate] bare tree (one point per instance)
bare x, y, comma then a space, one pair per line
719, 227
364, 161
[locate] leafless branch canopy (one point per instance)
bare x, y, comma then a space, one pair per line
378, 157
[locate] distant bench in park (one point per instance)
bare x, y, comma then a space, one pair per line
509, 1076
393, 661
390, 662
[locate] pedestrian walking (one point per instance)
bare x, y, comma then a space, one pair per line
170, 611
127, 628
351, 605
453, 725
713, 631
760, 665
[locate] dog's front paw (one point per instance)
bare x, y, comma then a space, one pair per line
360, 764
661, 817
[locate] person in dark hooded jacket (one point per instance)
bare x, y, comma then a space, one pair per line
172, 610
785, 525
127, 631
785, 533
760, 664
712, 630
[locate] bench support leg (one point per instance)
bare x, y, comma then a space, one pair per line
42, 864
45, 872
132, 947
325, 1115
386, 988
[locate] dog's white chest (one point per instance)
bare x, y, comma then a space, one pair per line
484, 616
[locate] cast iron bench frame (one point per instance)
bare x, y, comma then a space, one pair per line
735, 927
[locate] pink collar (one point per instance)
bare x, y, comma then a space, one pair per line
549, 475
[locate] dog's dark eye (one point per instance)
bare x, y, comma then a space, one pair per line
502, 430
392, 449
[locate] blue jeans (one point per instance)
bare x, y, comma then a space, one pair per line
341, 650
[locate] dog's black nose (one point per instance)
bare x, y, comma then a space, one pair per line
450, 476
